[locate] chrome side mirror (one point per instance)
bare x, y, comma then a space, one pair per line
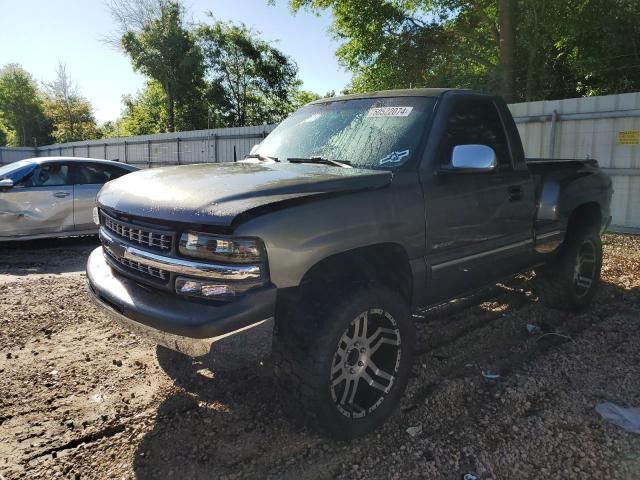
473, 158
6, 184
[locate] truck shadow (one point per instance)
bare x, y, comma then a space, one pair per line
217, 424
230, 422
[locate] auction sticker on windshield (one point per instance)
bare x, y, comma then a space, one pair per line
389, 112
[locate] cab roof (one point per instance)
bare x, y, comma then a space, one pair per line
408, 92
41, 160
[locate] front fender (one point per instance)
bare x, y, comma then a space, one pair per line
300, 236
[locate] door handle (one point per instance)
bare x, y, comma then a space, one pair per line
61, 194
515, 193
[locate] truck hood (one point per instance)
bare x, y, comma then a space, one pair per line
215, 194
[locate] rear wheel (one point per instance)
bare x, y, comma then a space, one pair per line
571, 280
348, 367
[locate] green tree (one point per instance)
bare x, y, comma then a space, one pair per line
4, 133
250, 81
523, 49
70, 114
162, 48
21, 107
146, 112
301, 97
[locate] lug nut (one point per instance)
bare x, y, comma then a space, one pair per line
362, 350
353, 370
360, 363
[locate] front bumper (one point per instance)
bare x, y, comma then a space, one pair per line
186, 325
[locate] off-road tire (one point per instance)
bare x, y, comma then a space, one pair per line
570, 280
309, 342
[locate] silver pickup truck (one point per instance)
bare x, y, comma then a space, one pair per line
351, 213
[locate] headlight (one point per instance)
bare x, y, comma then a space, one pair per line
96, 216
249, 252
211, 247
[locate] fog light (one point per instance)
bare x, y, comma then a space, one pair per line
209, 289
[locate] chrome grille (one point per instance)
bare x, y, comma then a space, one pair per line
135, 233
151, 271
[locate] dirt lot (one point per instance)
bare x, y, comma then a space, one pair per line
81, 398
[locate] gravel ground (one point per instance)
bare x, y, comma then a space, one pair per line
81, 398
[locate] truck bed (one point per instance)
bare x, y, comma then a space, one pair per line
563, 184
569, 162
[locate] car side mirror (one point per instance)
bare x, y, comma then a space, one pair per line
6, 184
472, 159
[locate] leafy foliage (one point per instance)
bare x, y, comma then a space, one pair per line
166, 51
525, 49
4, 133
21, 108
70, 114
146, 113
250, 81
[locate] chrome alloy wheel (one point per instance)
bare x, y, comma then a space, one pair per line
366, 363
585, 269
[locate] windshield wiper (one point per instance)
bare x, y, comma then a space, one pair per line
264, 158
324, 161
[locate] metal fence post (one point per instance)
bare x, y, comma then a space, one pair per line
125, 152
60, 151
552, 136
1, 150
105, 151
178, 149
73, 150
149, 151
215, 147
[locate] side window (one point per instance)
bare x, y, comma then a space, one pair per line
96, 173
47, 175
475, 121
113, 172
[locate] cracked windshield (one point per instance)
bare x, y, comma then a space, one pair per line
366, 133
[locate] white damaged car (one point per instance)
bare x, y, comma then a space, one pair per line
52, 196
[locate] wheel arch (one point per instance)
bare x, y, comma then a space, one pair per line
587, 215
383, 264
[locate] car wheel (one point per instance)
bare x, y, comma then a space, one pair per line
571, 280
348, 365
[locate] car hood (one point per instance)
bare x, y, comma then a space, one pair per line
215, 194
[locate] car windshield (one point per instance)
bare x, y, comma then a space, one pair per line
16, 171
367, 133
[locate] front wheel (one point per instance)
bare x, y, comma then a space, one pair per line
348, 366
571, 280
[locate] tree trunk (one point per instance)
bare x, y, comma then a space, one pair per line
171, 118
531, 81
506, 20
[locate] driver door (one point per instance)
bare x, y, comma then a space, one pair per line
40, 203
478, 224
